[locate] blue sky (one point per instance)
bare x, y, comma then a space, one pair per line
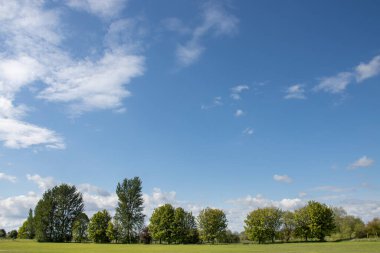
228, 104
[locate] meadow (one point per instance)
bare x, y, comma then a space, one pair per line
29, 246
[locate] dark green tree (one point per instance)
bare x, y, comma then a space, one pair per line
212, 224
145, 236
97, 228
3, 234
129, 211
80, 227
12, 234
184, 227
56, 212
161, 223
288, 225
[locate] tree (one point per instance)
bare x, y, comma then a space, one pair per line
12, 234
184, 227
3, 234
80, 227
27, 230
161, 223
129, 216
231, 237
315, 220
112, 232
262, 224
97, 228
212, 224
288, 225
145, 236
56, 212
373, 227
347, 226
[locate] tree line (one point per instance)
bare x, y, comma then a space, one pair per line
59, 217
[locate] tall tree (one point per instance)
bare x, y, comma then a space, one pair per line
97, 228
56, 212
27, 230
212, 224
262, 224
184, 227
161, 223
80, 226
129, 211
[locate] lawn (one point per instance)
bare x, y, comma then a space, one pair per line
337, 247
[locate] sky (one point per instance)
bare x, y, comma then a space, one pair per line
226, 104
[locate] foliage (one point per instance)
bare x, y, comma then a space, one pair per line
12, 234
3, 234
112, 232
262, 224
373, 227
129, 216
27, 230
56, 212
231, 237
184, 227
347, 226
80, 227
145, 236
97, 228
161, 223
212, 225
288, 225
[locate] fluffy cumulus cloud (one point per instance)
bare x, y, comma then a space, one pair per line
31, 37
216, 21
296, 91
282, 178
362, 162
7, 177
43, 183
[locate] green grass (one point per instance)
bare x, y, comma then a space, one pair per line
328, 247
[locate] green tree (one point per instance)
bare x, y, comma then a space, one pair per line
288, 225
80, 228
113, 232
12, 234
3, 234
129, 211
184, 227
212, 224
347, 226
23, 231
56, 212
315, 220
262, 224
97, 228
145, 236
373, 227
27, 230
161, 223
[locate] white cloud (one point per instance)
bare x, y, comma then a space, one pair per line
335, 84
248, 131
295, 92
31, 35
239, 113
216, 21
43, 183
217, 101
235, 91
9, 178
18, 134
104, 9
368, 70
365, 209
362, 162
91, 85
283, 178
14, 210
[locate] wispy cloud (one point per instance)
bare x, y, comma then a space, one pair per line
239, 113
283, 178
237, 90
362, 162
6, 177
248, 131
339, 82
216, 21
43, 183
217, 101
296, 91
104, 9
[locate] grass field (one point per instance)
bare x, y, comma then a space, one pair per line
336, 247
